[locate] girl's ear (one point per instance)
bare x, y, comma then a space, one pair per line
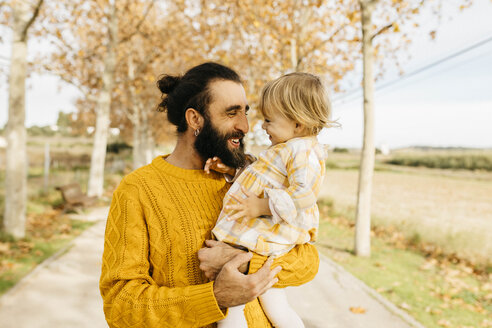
194, 119
299, 129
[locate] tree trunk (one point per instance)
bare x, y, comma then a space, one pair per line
137, 141
147, 140
96, 175
363, 214
135, 117
16, 161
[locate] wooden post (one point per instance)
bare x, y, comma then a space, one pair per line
46, 165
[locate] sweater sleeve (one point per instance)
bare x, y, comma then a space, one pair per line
131, 297
299, 266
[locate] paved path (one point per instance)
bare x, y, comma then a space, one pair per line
63, 292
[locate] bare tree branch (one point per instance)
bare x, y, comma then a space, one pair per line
387, 27
137, 27
33, 18
301, 58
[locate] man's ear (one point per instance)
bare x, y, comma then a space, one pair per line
194, 119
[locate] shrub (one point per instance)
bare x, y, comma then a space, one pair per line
116, 147
465, 161
340, 150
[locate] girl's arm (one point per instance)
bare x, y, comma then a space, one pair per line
250, 207
305, 171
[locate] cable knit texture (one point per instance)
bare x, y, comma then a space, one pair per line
159, 218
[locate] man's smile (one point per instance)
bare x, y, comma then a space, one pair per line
235, 142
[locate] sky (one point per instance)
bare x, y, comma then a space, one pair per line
449, 105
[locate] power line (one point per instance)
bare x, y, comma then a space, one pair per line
420, 70
438, 71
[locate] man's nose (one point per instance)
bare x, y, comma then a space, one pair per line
242, 123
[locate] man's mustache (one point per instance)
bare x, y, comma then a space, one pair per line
235, 135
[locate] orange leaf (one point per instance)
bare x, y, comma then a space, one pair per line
357, 310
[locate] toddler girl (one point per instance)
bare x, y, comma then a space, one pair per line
271, 206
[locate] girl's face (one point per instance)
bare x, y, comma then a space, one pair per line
279, 128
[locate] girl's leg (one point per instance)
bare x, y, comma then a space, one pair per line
235, 318
281, 315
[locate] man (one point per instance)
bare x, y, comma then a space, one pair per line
162, 215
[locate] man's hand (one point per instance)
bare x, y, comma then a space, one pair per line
217, 165
250, 207
233, 288
214, 255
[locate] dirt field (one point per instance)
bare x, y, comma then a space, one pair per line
450, 208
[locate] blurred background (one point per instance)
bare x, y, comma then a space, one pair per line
90, 117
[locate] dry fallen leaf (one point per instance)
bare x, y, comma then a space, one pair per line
4, 247
357, 310
405, 306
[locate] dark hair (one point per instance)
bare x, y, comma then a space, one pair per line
191, 91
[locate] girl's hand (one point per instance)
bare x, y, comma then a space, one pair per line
250, 207
217, 165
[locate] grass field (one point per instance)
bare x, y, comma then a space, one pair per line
436, 291
452, 209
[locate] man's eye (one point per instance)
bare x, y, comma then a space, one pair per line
267, 121
231, 114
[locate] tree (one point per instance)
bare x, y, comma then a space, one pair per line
63, 122
83, 60
285, 36
392, 16
363, 213
96, 175
24, 14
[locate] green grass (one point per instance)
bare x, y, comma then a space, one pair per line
434, 291
26, 254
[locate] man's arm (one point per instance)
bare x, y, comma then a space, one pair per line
131, 296
231, 286
299, 265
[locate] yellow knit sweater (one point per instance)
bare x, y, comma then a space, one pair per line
159, 218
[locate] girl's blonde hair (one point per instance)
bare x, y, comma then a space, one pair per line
300, 97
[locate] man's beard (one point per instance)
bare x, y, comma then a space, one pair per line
210, 142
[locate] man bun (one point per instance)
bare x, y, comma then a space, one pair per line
168, 83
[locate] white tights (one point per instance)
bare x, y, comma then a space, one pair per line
274, 304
